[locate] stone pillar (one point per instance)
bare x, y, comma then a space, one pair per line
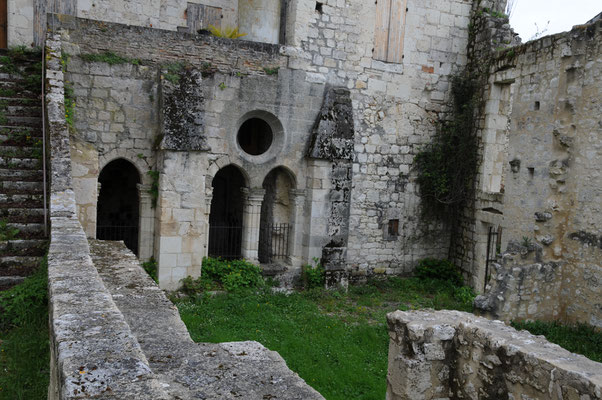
252, 199
208, 200
317, 203
146, 226
297, 201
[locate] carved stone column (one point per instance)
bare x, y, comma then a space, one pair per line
297, 199
208, 199
146, 226
252, 199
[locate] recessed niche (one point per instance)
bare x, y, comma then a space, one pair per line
255, 136
319, 7
537, 105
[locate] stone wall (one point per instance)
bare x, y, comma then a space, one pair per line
20, 22
552, 183
395, 109
455, 355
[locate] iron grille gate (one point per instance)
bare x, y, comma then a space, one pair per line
274, 242
127, 233
494, 242
225, 242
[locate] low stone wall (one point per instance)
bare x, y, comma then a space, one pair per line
454, 355
93, 352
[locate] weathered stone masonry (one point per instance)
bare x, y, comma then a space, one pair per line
551, 268
455, 355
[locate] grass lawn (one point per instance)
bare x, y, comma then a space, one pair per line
24, 348
337, 342
580, 339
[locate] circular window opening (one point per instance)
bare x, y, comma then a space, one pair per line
255, 136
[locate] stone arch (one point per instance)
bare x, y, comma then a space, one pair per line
226, 212
129, 155
118, 207
277, 216
221, 163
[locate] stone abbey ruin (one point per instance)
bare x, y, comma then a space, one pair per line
299, 142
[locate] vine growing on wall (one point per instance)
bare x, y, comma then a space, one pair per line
447, 167
154, 186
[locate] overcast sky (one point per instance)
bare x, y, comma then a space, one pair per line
562, 14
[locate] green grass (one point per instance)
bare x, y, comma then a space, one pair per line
336, 341
24, 348
580, 339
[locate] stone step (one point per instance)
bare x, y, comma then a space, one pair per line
19, 150
21, 101
18, 265
21, 187
32, 203
6, 282
10, 199
28, 230
21, 110
28, 247
20, 163
22, 212
12, 121
22, 175
22, 219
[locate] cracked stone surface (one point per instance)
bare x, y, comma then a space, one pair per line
188, 370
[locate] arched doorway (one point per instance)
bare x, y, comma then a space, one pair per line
276, 214
225, 219
118, 208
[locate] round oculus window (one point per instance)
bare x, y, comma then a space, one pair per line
255, 136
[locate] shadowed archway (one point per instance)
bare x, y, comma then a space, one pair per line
118, 209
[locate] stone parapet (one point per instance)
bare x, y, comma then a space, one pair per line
455, 355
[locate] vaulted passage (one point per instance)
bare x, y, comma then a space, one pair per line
225, 220
276, 213
118, 204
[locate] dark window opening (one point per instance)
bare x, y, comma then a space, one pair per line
118, 204
537, 105
319, 7
531, 172
393, 228
255, 136
225, 220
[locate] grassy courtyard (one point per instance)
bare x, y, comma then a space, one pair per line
336, 341
24, 349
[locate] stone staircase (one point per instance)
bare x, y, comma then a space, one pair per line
22, 239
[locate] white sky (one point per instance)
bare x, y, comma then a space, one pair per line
562, 14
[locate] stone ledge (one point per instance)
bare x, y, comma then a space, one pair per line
453, 354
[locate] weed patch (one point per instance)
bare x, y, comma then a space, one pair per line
110, 58
24, 347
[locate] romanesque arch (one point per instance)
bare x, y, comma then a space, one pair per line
118, 208
226, 214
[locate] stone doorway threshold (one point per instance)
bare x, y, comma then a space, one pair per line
188, 370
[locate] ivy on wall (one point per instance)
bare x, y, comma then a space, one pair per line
447, 167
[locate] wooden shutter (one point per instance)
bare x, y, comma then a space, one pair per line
200, 16
390, 30
381, 31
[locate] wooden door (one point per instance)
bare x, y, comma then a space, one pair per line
3, 25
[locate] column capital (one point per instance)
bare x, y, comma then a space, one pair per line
253, 194
143, 190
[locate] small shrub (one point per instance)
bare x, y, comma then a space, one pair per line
229, 275
227, 32
313, 276
436, 269
150, 267
21, 303
7, 232
464, 294
271, 71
